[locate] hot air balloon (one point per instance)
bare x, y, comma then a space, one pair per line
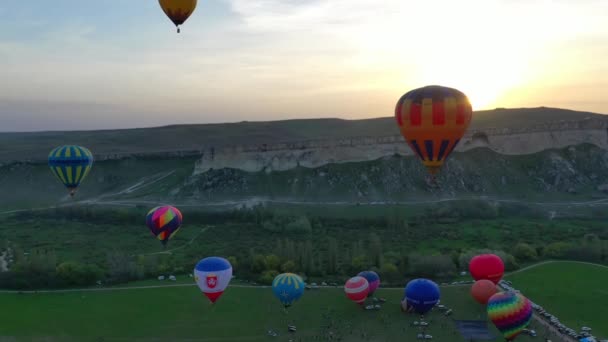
422, 295
432, 120
356, 289
482, 290
178, 10
71, 164
164, 222
487, 266
510, 312
288, 288
373, 279
212, 275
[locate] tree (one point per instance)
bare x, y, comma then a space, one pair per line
271, 226
273, 262
73, 273
267, 277
375, 250
332, 256
360, 263
281, 248
258, 265
524, 252
122, 268
300, 225
590, 239
289, 266
390, 272
431, 266
70, 273
404, 263
291, 250
556, 250
233, 262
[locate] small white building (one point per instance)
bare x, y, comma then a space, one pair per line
161, 277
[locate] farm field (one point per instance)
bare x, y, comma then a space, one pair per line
242, 314
574, 292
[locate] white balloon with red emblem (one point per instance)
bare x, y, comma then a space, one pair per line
212, 276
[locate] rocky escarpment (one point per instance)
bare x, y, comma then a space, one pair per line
316, 153
567, 173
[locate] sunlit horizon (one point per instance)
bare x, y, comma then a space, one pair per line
122, 65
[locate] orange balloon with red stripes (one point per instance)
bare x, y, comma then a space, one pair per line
432, 120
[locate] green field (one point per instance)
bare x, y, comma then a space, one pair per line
242, 314
576, 293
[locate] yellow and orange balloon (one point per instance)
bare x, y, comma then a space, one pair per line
178, 10
432, 120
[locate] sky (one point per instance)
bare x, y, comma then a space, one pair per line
105, 64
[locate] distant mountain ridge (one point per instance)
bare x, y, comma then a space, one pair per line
192, 140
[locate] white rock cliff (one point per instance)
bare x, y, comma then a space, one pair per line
312, 154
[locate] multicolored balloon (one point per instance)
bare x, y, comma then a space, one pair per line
487, 266
164, 222
373, 279
422, 295
71, 164
356, 289
178, 10
482, 290
510, 312
212, 275
432, 120
288, 288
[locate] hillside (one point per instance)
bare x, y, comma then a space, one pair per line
577, 173
556, 152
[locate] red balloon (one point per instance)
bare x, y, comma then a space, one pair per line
482, 290
356, 289
487, 266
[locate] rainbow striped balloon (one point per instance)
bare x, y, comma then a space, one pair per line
164, 222
510, 312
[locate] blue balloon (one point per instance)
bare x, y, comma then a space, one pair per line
288, 288
373, 279
422, 295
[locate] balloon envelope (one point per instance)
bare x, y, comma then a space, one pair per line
212, 275
288, 288
70, 164
510, 312
422, 295
356, 289
482, 290
164, 222
487, 266
432, 120
178, 11
373, 279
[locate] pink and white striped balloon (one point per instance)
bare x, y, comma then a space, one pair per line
356, 289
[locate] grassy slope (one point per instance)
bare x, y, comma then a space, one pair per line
576, 293
25, 146
30, 186
242, 314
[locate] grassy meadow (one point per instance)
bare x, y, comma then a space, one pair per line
576, 293
242, 314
